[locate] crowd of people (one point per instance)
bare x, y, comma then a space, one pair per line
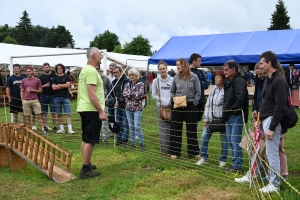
122, 97
33, 95
228, 99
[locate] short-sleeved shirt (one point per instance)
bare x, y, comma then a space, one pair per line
61, 80
33, 83
14, 82
89, 76
47, 79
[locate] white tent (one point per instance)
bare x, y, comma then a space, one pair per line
36, 56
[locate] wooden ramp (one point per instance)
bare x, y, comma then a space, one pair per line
20, 145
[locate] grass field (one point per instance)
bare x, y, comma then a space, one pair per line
133, 174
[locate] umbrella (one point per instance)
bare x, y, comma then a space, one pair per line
256, 138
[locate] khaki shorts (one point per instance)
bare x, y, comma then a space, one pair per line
28, 105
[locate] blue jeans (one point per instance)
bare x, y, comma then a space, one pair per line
204, 145
234, 128
134, 120
46, 100
121, 119
62, 103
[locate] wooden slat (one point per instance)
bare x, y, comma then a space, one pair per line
42, 154
51, 166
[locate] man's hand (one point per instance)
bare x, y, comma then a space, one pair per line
269, 135
205, 121
102, 116
254, 113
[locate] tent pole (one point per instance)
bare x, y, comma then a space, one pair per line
11, 73
104, 62
148, 84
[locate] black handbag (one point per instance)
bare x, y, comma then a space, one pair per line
290, 117
216, 124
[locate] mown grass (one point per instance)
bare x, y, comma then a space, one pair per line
132, 174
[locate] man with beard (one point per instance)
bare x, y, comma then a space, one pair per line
47, 97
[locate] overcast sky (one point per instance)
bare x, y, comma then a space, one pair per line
157, 20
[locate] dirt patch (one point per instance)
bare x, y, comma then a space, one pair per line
209, 193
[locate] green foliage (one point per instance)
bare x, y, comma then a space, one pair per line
39, 35
10, 40
280, 19
106, 40
118, 49
138, 46
24, 31
59, 36
5, 31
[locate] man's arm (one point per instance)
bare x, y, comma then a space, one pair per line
22, 94
94, 100
8, 94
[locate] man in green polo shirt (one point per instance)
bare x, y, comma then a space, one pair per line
90, 105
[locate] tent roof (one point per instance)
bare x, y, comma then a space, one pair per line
244, 48
79, 60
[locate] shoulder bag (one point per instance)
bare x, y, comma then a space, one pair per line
164, 112
180, 101
216, 124
290, 117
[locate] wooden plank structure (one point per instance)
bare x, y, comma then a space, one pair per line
19, 144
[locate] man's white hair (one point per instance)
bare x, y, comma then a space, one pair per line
90, 51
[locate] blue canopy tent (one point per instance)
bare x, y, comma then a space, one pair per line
244, 48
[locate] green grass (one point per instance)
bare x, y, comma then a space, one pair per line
132, 174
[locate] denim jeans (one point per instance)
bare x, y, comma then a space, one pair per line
104, 129
121, 119
204, 145
46, 100
134, 120
62, 103
234, 128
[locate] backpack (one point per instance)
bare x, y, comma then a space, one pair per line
290, 117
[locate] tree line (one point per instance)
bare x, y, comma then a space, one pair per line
24, 33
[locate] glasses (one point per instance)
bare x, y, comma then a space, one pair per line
97, 68
115, 72
130, 74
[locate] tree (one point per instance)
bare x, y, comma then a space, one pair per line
106, 40
59, 36
138, 46
24, 33
280, 20
118, 49
10, 40
39, 35
4, 31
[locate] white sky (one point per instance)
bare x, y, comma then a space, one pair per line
157, 20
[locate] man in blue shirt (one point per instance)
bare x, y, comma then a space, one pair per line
13, 93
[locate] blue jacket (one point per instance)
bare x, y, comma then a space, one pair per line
257, 93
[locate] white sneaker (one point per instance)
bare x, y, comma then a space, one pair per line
136, 137
269, 188
60, 131
33, 128
201, 161
222, 164
71, 131
48, 128
244, 179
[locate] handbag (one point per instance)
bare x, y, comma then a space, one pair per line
216, 124
290, 117
164, 112
180, 101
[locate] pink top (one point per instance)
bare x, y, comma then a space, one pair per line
33, 83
